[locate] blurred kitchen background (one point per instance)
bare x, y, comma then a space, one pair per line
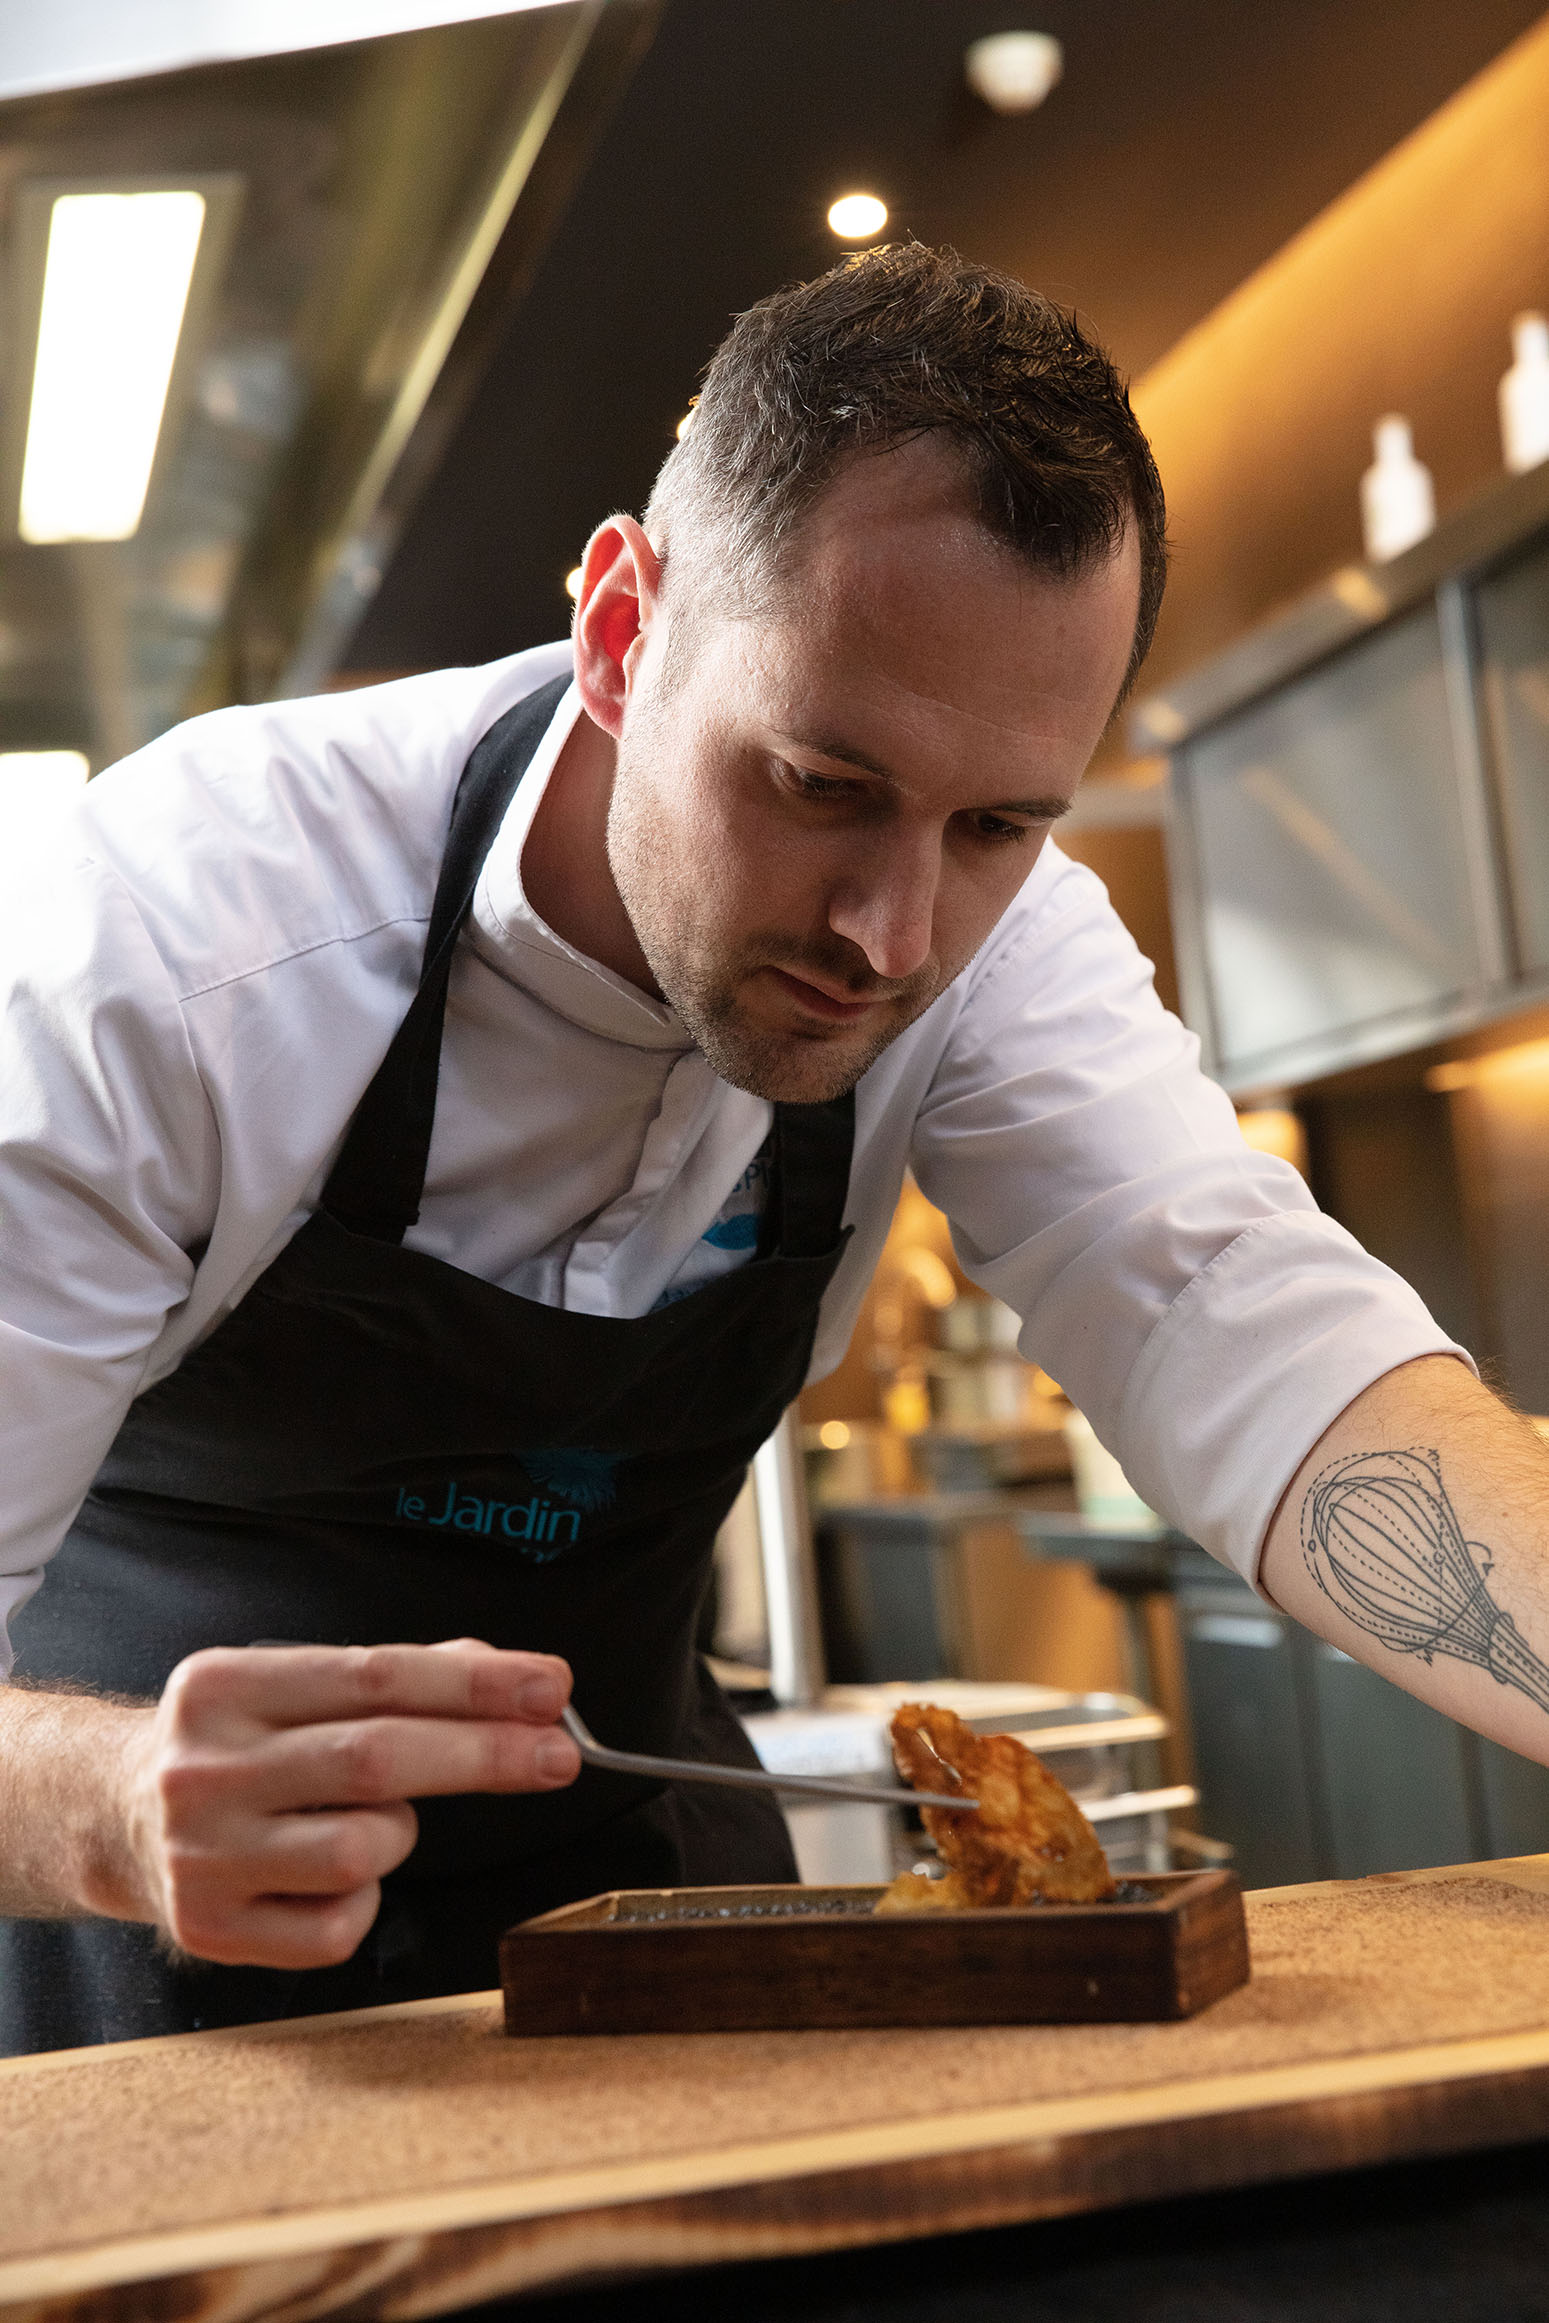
330, 330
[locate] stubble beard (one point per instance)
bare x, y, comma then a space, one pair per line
796, 1068
701, 979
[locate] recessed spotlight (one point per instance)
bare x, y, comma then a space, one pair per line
573, 582
857, 217
1014, 71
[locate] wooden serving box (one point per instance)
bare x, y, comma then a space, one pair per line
777, 1959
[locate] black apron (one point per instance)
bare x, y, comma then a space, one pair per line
377, 1447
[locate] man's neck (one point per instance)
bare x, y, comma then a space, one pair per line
565, 873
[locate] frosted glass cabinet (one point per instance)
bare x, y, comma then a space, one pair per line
1513, 617
1358, 843
1332, 855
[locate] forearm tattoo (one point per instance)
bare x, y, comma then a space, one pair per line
1383, 1543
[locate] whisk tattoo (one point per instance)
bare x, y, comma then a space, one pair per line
1383, 1542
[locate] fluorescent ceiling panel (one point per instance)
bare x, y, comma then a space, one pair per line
76, 44
115, 287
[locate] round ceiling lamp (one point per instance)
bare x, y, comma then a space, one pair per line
857, 217
1014, 71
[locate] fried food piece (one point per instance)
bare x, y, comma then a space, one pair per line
1029, 1840
912, 1891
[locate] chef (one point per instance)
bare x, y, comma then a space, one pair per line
442, 1126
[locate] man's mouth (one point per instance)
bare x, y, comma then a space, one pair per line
818, 1001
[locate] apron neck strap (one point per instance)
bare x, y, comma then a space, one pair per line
376, 1184
809, 1178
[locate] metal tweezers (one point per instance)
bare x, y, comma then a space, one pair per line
693, 1770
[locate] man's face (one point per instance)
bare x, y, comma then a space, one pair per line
820, 815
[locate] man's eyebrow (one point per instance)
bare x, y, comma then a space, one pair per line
845, 754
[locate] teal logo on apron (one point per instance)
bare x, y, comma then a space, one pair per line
588, 1478
584, 1477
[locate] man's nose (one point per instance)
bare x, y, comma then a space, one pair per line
887, 904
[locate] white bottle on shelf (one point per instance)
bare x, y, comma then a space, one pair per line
1524, 396
1398, 499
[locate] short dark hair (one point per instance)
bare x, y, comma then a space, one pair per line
901, 342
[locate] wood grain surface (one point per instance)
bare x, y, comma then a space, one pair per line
406, 2162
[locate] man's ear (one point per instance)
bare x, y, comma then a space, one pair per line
621, 578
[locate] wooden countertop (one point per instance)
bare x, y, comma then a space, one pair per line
415, 2157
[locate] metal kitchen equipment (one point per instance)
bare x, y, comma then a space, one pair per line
694, 1770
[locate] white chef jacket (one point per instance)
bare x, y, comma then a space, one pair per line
206, 955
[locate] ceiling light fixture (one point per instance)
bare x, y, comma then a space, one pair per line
115, 289
1014, 71
857, 217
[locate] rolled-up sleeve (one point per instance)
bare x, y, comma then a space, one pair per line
1185, 1290
108, 1166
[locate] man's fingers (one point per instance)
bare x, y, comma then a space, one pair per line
324, 1854
280, 1931
233, 1690
367, 1762
246, 1738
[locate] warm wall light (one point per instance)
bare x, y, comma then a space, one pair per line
34, 784
115, 287
1359, 593
1496, 1065
573, 582
1275, 1129
857, 217
1157, 724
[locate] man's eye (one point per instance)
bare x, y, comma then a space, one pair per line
818, 786
999, 831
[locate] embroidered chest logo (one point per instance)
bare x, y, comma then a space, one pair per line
541, 1528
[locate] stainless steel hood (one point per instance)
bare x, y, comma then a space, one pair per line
380, 207
79, 44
